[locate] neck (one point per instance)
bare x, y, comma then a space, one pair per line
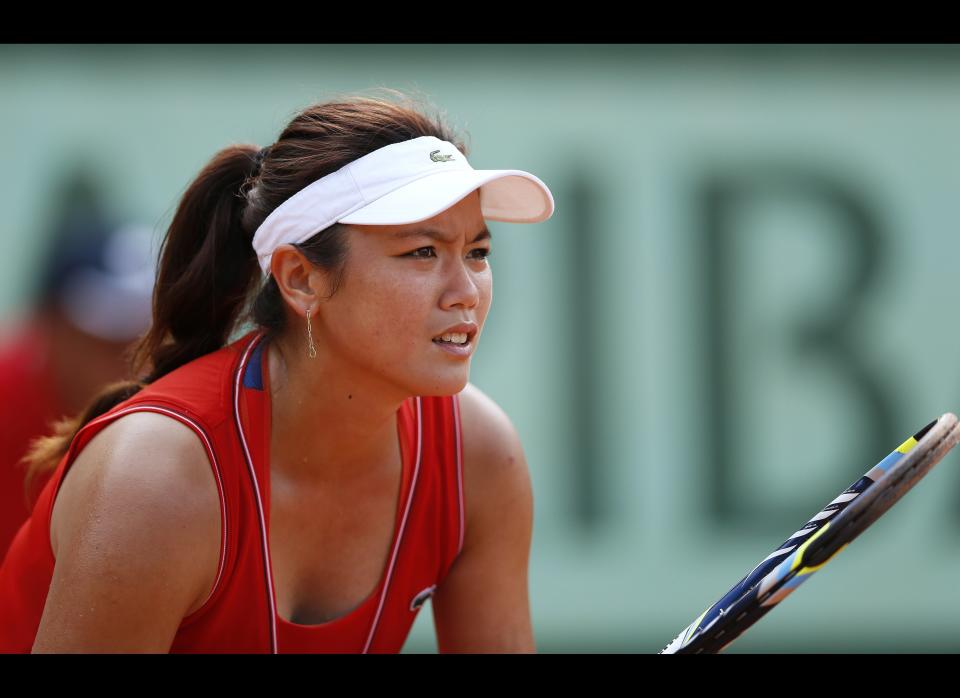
331, 421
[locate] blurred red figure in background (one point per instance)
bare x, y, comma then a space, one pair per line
93, 300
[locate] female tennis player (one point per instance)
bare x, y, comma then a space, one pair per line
306, 486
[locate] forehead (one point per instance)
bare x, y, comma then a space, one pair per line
462, 221
439, 234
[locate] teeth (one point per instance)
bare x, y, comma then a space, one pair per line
456, 337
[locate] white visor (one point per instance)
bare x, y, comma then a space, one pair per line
401, 183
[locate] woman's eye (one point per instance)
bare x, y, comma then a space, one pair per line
483, 250
414, 253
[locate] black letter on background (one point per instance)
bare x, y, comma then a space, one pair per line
718, 198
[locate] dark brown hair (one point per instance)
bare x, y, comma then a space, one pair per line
208, 278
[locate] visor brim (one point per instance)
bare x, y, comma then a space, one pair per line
511, 196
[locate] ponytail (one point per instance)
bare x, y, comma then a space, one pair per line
207, 268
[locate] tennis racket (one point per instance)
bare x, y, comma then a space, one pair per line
815, 544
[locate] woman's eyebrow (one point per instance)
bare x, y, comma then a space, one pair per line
440, 235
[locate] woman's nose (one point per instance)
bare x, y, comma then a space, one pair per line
462, 287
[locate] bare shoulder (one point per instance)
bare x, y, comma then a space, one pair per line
142, 457
483, 415
135, 531
495, 466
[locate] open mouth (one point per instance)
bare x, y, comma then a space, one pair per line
469, 339
457, 339
455, 348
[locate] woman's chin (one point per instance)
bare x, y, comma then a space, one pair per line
446, 386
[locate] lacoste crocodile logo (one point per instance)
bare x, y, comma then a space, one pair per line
440, 158
422, 597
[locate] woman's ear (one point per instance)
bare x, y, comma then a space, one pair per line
301, 283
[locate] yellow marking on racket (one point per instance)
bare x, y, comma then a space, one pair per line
798, 558
693, 626
907, 445
802, 549
808, 570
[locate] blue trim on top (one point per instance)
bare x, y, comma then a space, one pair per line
253, 376
890, 461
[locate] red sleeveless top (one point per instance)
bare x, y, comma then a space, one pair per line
223, 397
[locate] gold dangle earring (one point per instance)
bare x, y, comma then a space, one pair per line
313, 349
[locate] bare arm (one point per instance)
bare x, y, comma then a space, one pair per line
483, 604
135, 532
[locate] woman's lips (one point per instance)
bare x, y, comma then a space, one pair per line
460, 350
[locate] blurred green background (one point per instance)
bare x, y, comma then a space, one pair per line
745, 298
